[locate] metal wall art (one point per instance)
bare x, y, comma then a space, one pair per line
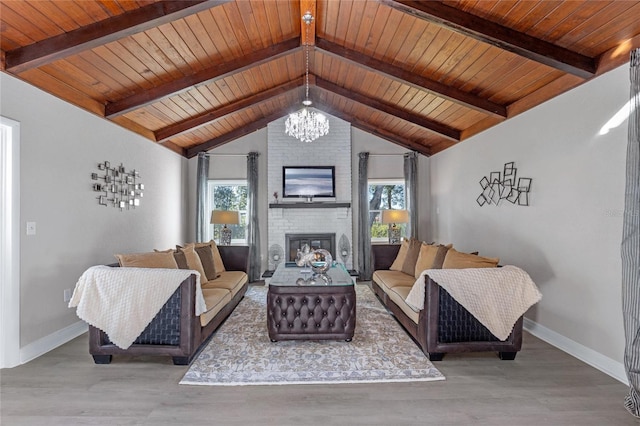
503, 186
119, 188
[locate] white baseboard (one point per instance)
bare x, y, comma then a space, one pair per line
595, 359
48, 343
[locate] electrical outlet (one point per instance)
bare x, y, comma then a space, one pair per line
67, 294
31, 228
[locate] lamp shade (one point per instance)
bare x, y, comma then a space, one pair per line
226, 217
395, 216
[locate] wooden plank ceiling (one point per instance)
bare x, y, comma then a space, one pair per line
193, 75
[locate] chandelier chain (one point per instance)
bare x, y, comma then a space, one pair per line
306, 49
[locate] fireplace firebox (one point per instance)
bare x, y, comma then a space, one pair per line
294, 242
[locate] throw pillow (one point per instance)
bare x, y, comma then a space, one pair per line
147, 260
426, 257
217, 259
400, 258
409, 265
206, 258
458, 260
193, 261
440, 256
178, 256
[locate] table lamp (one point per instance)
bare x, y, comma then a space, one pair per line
225, 217
391, 218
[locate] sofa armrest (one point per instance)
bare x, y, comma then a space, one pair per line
383, 255
235, 258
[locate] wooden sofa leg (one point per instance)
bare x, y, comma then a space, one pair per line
102, 359
436, 356
507, 356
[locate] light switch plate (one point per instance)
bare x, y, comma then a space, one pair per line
31, 228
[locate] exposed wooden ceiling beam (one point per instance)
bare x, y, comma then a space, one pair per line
206, 76
497, 35
430, 125
414, 80
102, 32
238, 133
369, 128
193, 123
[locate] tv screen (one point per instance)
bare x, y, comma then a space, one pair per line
317, 181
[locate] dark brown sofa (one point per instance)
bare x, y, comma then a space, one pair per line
443, 325
176, 331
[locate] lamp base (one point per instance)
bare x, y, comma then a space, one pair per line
394, 234
225, 236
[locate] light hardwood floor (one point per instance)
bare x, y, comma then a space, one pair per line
543, 386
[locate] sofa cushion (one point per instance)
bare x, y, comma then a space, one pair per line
193, 260
400, 258
215, 299
229, 280
458, 260
398, 295
389, 279
426, 258
208, 264
148, 260
217, 258
409, 264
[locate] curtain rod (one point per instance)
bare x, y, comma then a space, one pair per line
386, 155
227, 155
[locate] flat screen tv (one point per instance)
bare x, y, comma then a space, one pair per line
311, 181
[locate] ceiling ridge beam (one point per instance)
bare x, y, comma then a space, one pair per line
102, 32
237, 133
193, 123
366, 127
505, 38
426, 123
412, 79
206, 76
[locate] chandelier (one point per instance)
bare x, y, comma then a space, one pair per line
306, 125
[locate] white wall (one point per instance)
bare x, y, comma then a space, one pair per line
61, 145
568, 239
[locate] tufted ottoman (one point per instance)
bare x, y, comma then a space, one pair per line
311, 312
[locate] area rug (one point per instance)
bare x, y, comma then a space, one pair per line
240, 352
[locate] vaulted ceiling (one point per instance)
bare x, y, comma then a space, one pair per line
426, 75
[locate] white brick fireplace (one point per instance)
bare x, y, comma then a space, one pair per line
333, 149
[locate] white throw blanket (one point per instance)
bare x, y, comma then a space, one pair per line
496, 297
123, 301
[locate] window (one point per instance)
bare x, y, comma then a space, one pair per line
384, 194
228, 195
